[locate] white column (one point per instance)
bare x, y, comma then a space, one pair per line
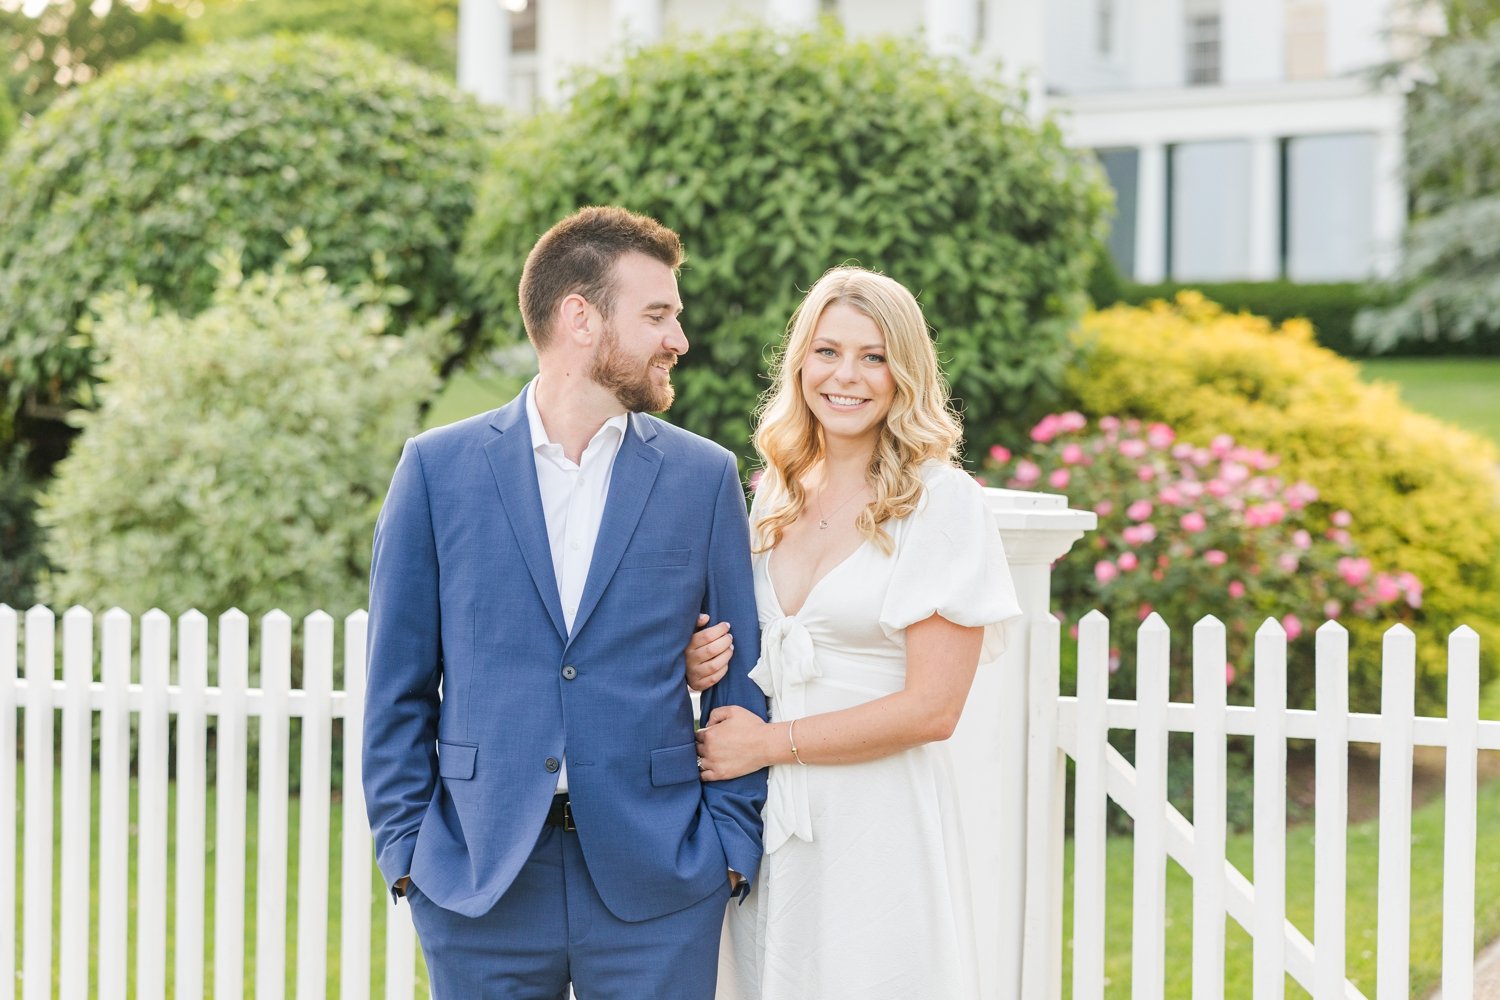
1253, 36
638, 22
1265, 208
989, 745
1151, 215
555, 57
1014, 35
484, 50
1155, 40
792, 15
952, 26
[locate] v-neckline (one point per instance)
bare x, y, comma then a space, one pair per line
771, 580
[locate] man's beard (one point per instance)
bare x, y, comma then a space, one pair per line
630, 381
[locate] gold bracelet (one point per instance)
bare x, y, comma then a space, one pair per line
793, 743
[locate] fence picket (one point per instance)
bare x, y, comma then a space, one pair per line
1209, 823
1269, 964
151, 818
114, 798
1459, 813
400, 953
37, 836
8, 648
312, 847
1152, 680
1331, 805
271, 867
1041, 962
229, 807
77, 805
354, 945
1089, 797
192, 742
1398, 682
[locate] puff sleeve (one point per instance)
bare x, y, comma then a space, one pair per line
950, 561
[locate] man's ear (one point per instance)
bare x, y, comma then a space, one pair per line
577, 320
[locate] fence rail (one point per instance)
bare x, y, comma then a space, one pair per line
1078, 727
134, 680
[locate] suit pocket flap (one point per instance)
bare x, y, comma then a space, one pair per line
456, 760
660, 557
671, 765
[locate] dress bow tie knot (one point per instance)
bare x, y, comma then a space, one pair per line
787, 663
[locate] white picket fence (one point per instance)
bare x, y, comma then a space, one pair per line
117, 693
1077, 727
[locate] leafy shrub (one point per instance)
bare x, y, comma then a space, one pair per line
1423, 494
1330, 308
238, 457
21, 558
141, 176
777, 157
8, 120
1188, 530
424, 32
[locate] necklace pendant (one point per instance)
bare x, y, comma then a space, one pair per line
823, 523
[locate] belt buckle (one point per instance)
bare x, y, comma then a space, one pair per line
568, 824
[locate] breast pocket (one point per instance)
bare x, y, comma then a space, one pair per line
658, 559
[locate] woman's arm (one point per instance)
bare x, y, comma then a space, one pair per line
941, 658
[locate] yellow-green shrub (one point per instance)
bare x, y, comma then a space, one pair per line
1425, 496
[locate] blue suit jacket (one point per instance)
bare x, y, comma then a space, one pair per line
468, 700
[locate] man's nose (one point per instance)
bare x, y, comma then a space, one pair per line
676, 341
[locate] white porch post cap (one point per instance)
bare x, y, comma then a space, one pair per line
1037, 527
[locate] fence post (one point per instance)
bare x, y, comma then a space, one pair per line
989, 745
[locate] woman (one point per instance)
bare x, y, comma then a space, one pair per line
881, 584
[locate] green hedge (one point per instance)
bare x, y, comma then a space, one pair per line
777, 157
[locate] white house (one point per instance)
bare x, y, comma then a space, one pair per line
1245, 139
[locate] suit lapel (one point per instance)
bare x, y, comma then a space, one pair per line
514, 467
629, 487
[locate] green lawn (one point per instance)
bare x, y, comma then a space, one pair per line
467, 393
1363, 864
1463, 391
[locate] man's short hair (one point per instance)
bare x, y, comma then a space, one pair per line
577, 256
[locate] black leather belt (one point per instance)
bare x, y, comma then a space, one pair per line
561, 812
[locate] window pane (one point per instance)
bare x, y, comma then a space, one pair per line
1330, 188
1210, 211
1122, 167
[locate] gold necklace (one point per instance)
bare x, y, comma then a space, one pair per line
823, 518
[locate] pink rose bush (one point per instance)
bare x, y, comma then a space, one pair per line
1191, 530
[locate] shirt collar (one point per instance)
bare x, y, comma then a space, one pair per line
539, 439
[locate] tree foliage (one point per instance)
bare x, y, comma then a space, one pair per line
141, 176
1449, 283
424, 32
8, 120
777, 157
238, 457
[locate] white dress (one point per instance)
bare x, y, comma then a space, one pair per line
863, 892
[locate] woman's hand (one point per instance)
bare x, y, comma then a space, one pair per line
733, 743
707, 654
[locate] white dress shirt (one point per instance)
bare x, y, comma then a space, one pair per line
573, 498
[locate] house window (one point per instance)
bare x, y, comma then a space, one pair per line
1122, 167
1208, 229
1329, 190
1203, 48
1104, 27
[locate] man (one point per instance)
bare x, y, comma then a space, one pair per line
529, 763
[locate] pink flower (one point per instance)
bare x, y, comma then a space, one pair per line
1264, 515
1302, 539
1059, 479
1183, 451
1144, 611
980, 480
1071, 421
1234, 473
1193, 522
1191, 488
1104, 508
1109, 424
1133, 448
1218, 488
1128, 561
1046, 429
1293, 626
1221, 445
1386, 588
1139, 534
1114, 660
1170, 495
1139, 511
1000, 454
1145, 473
1236, 589
1215, 557
1027, 473
1288, 562
1105, 571
1354, 571
1228, 673
1412, 587
1342, 518
1072, 454
1160, 436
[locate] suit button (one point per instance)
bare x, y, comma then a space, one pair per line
569, 672
552, 765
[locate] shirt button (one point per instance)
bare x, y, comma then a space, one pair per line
573, 546
552, 765
569, 672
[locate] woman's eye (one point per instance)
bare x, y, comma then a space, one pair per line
875, 359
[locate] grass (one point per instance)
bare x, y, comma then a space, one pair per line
469, 392
1462, 391
1363, 865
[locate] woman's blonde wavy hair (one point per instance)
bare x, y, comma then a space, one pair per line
920, 426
